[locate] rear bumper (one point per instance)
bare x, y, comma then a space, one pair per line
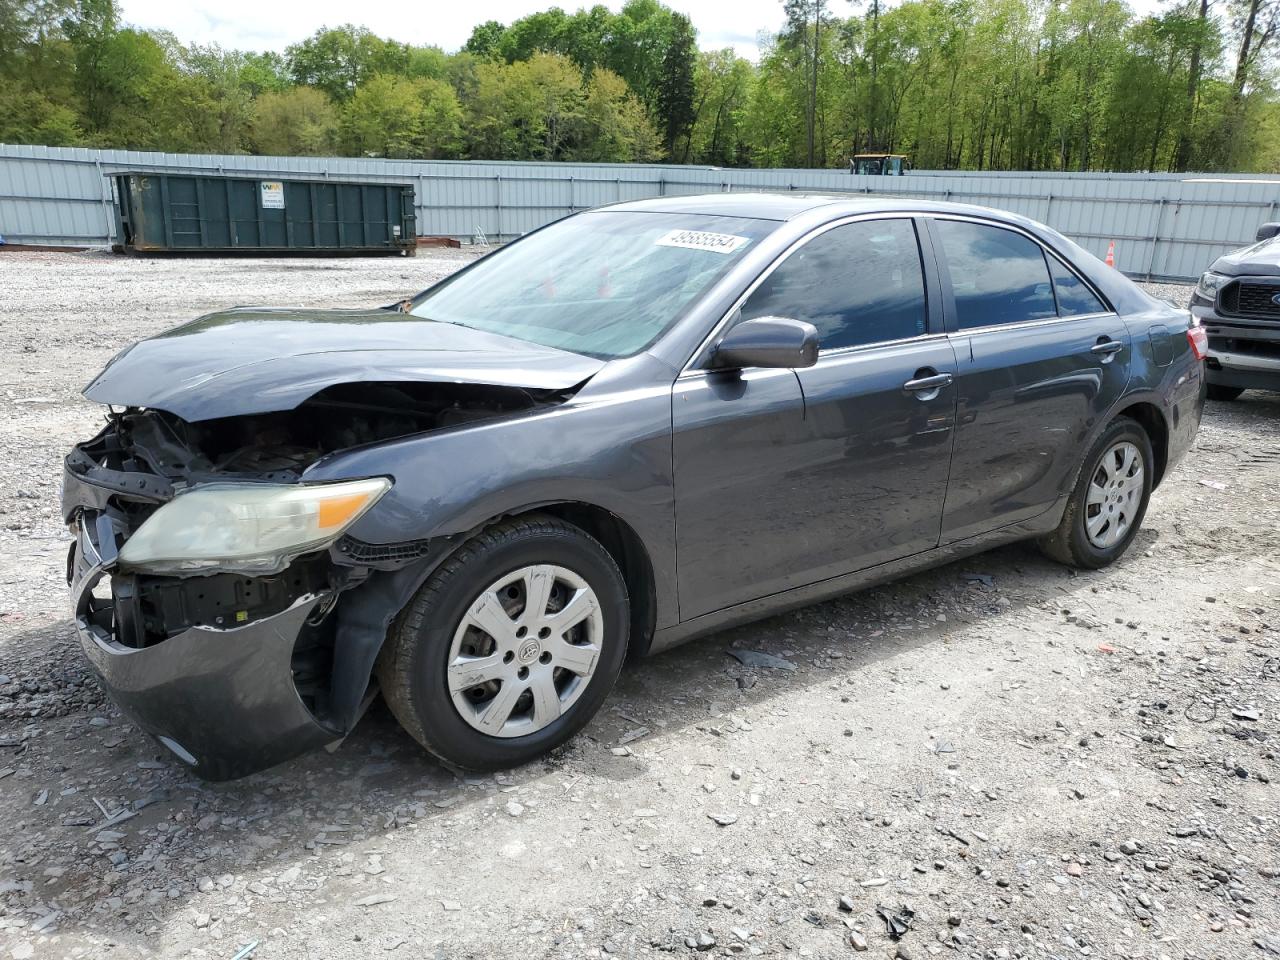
223, 701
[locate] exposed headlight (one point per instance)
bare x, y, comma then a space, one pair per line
247, 527
1209, 285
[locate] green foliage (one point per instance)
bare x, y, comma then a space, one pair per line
528, 110
338, 60
965, 84
297, 122
485, 38
543, 109
676, 90
29, 117
390, 116
616, 126
722, 92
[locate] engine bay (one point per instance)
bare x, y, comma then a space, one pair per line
279, 446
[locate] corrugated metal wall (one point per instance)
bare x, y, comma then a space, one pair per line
1164, 225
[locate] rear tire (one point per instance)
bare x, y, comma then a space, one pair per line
481, 671
1223, 394
1109, 500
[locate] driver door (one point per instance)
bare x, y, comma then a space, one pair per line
788, 477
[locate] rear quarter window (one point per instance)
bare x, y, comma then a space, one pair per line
1074, 298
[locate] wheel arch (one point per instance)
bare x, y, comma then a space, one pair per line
628, 550
1152, 420
1149, 416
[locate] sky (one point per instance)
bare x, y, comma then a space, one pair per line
273, 25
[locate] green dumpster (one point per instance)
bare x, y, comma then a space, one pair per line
194, 213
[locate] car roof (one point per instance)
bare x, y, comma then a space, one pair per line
759, 206
788, 206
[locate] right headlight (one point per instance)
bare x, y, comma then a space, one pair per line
247, 527
1209, 285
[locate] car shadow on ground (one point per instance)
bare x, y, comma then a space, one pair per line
379, 780
1264, 403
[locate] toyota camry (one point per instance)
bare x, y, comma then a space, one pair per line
631, 427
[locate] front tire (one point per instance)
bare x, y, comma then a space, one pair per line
1223, 394
510, 647
1109, 500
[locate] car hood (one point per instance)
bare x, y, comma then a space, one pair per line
256, 360
1260, 260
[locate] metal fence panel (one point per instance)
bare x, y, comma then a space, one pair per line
1164, 225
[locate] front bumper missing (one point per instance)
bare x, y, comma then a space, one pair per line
221, 700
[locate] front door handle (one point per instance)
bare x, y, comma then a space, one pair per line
925, 384
1105, 347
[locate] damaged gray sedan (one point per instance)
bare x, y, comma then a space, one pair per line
631, 427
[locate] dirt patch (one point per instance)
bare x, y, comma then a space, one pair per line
1036, 762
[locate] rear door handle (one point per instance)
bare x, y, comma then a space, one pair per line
925, 384
1105, 348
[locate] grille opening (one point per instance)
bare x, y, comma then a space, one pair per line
1251, 298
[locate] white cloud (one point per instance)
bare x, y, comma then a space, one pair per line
255, 25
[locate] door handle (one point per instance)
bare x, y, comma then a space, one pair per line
925, 384
1106, 347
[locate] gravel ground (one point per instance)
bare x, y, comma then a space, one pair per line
1033, 762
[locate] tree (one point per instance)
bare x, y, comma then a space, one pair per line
723, 84
25, 24
298, 122
231, 91
1202, 38
543, 32
264, 73
384, 118
428, 62
117, 74
395, 117
676, 87
958, 84
441, 119
485, 39
38, 101
180, 114
91, 29
29, 117
1257, 22
616, 127
636, 45
338, 60
804, 32
529, 110
775, 119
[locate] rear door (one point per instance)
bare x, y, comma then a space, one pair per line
1040, 359
787, 478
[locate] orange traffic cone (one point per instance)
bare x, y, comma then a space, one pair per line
1111, 254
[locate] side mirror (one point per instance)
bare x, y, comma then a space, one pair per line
1268, 230
775, 342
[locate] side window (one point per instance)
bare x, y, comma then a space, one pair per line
998, 276
1074, 298
859, 283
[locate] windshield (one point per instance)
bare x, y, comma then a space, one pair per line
606, 284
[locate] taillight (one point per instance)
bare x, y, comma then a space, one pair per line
1199, 341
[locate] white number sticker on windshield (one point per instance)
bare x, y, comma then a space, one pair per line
701, 240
